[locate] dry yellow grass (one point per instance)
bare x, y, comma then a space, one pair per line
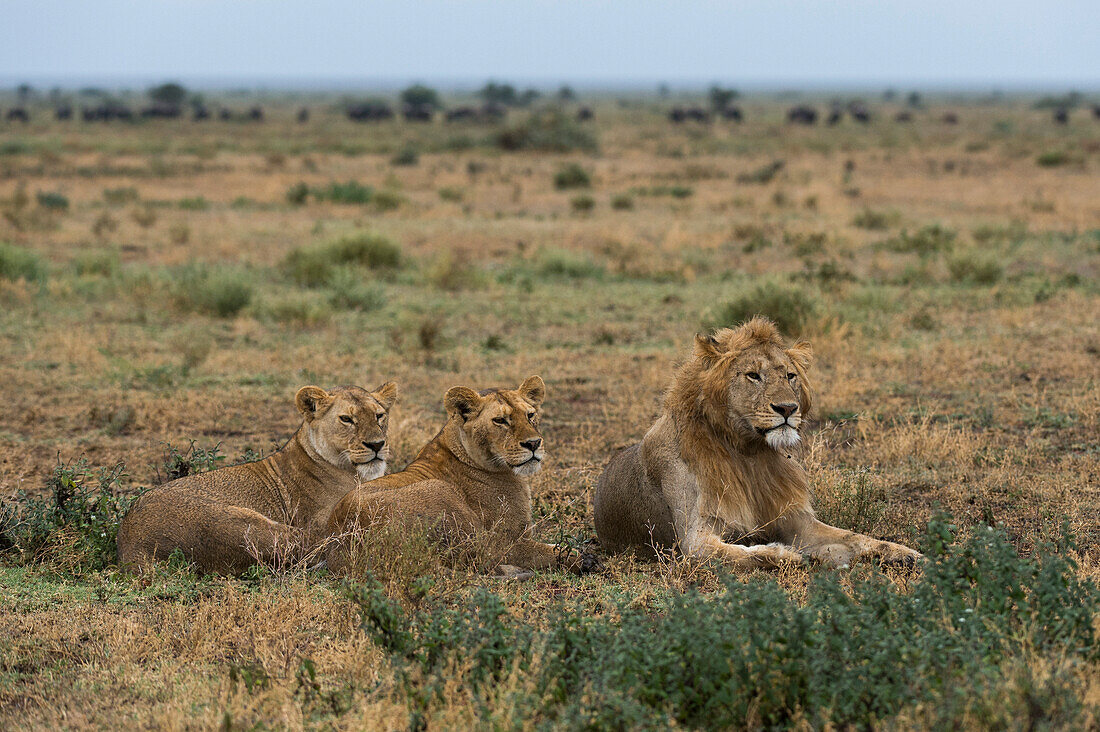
977, 395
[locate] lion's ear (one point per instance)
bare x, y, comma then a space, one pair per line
386, 394
802, 353
533, 390
312, 402
461, 401
707, 346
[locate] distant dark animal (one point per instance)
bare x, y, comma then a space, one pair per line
255, 114
303, 115
688, 114
732, 113
859, 112
224, 114
1061, 116
200, 113
1096, 111
18, 114
160, 110
949, 118
418, 112
835, 115
802, 115
63, 112
585, 114
903, 117
369, 112
461, 114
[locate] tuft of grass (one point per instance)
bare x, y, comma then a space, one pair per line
407, 156
317, 265
1053, 158
453, 194
572, 175
17, 263
349, 193
976, 268
547, 131
193, 203
582, 203
874, 220
302, 309
792, 308
622, 202
387, 200
120, 196
762, 175
453, 273
350, 291
213, 290
926, 241
568, 264
52, 201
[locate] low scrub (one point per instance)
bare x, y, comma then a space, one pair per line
975, 268
17, 263
548, 131
572, 176
926, 241
952, 650
213, 290
316, 266
792, 308
566, 264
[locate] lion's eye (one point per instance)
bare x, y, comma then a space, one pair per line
531, 416
752, 376
381, 417
791, 377
346, 419
502, 421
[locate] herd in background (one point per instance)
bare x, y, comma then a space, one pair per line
801, 114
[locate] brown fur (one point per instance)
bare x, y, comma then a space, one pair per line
716, 465
229, 518
466, 482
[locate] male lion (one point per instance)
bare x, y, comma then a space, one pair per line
229, 518
714, 465
467, 481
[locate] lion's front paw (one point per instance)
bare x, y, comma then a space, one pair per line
896, 555
512, 572
581, 563
774, 555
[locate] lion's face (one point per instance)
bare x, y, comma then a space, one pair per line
348, 426
761, 384
765, 397
499, 428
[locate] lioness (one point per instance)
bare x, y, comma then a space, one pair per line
468, 480
229, 518
715, 463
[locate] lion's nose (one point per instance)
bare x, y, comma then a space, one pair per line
785, 409
533, 444
376, 446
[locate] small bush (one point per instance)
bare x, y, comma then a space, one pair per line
297, 194
453, 273
873, 220
549, 131
214, 291
301, 309
144, 216
452, 194
571, 265
194, 203
387, 200
763, 174
582, 204
791, 307
572, 176
17, 263
926, 241
100, 264
350, 291
406, 156
52, 201
120, 196
316, 266
351, 193
976, 268
73, 524
622, 202
1053, 158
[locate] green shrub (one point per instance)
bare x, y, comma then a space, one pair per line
303, 309
101, 264
873, 220
976, 268
453, 194
297, 194
582, 204
571, 265
1053, 158
315, 266
194, 203
791, 307
17, 263
622, 202
73, 523
926, 241
406, 156
387, 200
572, 176
855, 653
352, 192
213, 290
120, 196
52, 201
350, 291
453, 273
547, 131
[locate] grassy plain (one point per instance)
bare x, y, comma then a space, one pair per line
174, 281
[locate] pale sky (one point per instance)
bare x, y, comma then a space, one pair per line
779, 43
